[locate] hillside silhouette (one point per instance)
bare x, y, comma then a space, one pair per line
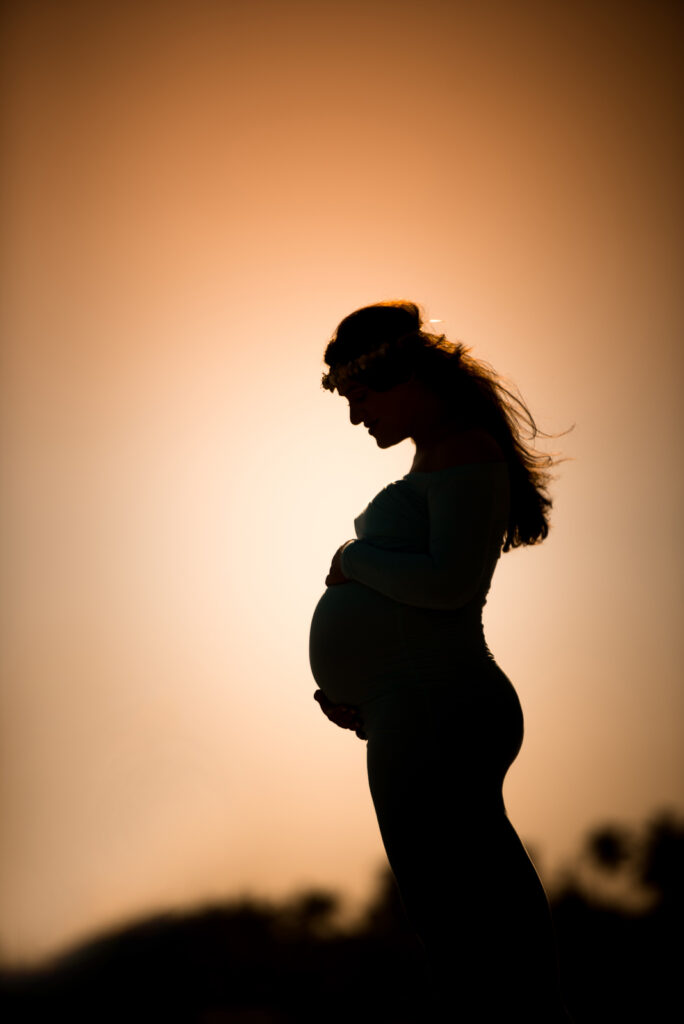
256, 962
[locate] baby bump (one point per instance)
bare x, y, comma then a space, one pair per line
355, 642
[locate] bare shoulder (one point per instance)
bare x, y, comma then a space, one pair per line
467, 446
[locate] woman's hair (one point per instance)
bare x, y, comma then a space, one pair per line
383, 345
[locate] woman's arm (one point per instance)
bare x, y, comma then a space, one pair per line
467, 520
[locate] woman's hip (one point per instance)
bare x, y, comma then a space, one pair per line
456, 736
466, 703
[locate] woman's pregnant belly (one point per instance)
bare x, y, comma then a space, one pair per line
363, 645
357, 645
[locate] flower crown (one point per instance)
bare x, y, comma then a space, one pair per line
417, 340
347, 371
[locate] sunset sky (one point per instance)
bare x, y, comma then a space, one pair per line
193, 195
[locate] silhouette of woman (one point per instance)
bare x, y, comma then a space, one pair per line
398, 651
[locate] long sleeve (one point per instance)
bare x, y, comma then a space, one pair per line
467, 516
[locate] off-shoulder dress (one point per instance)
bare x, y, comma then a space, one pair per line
403, 641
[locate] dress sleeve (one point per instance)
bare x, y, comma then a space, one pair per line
466, 524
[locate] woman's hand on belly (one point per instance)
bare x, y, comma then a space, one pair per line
344, 715
335, 575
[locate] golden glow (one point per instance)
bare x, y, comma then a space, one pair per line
195, 195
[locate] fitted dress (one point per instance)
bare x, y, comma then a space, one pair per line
420, 571
403, 641
405, 634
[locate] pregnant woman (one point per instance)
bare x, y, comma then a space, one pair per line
398, 651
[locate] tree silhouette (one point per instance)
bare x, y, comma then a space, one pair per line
256, 962
661, 863
609, 847
618, 957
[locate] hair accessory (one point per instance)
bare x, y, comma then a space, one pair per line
347, 371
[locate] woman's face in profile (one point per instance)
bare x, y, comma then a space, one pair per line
387, 415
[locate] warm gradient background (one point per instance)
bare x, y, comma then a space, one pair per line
194, 194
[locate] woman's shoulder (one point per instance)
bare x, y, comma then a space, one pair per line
464, 448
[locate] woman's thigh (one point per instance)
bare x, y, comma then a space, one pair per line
468, 886
442, 748
436, 764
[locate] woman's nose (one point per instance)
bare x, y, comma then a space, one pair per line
355, 415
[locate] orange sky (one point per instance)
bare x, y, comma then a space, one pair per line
194, 194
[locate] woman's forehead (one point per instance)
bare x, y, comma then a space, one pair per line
352, 389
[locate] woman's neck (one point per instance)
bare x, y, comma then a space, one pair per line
453, 447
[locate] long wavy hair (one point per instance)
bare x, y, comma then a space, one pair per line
385, 344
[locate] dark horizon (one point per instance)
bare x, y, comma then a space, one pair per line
291, 961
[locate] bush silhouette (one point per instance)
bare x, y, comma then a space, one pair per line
256, 962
